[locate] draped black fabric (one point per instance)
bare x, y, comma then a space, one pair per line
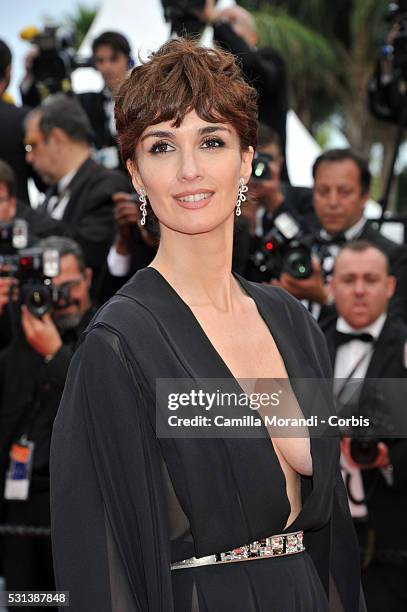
126, 504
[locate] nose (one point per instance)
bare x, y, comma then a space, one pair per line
189, 167
359, 287
332, 199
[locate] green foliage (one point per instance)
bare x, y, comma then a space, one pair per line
80, 21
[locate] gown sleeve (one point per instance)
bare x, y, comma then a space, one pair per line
109, 530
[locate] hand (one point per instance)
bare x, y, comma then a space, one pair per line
311, 288
5, 283
209, 14
41, 334
126, 214
382, 459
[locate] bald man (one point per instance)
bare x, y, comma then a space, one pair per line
365, 342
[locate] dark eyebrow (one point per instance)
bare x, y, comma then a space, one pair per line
210, 129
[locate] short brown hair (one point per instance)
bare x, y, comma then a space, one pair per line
178, 78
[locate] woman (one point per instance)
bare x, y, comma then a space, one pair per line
140, 522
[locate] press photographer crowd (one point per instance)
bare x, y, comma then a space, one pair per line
62, 260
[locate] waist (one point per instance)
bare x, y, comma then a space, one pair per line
272, 546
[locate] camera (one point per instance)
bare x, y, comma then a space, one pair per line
260, 166
387, 93
182, 15
285, 249
13, 236
34, 269
364, 451
56, 59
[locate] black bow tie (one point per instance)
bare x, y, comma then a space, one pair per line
342, 338
338, 239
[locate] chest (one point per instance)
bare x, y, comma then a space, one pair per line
244, 343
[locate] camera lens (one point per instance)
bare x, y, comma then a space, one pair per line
298, 263
38, 299
364, 452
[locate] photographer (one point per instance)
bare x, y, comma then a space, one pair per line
341, 190
273, 196
33, 372
235, 30
366, 342
79, 203
112, 58
134, 247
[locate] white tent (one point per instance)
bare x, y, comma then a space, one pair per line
144, 26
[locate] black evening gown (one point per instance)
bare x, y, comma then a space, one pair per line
126, 504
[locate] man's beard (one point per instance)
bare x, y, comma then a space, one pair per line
67, 322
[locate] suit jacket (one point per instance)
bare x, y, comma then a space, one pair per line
12, 144
93, 103
31, 392
88, 217
387, 504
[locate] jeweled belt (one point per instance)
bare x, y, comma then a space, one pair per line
273, 546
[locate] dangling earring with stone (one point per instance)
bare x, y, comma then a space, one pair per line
241, 196
143, 200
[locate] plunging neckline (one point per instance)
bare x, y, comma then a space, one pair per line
245, 286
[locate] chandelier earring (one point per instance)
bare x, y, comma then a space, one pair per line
241, 196
143, 202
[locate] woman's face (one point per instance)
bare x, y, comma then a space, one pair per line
191, 173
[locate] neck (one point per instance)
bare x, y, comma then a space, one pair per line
199, 266
75, 156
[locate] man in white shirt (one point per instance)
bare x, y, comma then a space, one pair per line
367, 343
341, 190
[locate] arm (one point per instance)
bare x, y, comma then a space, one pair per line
106, 498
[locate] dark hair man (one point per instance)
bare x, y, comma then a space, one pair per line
33, 372
80, 202
341, 190
112, 58
366, 342
235, 30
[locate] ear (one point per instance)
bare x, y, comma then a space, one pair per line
391, 286
13, 206
246, 164
88, 276
58, 135
135, 175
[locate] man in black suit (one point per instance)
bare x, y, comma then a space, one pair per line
341, 190
79, 203
33, 372
273, 196
112, 58
12, 128
234, 29
367, 343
